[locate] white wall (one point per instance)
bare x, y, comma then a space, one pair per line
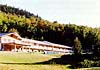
0, 47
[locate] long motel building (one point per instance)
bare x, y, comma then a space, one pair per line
14, 42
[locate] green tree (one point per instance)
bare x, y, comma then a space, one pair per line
0, 22
77, 46
96, 49
4, 28
13, 30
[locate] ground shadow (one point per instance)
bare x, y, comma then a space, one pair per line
73, 60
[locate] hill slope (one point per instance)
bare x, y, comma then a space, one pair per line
34, 27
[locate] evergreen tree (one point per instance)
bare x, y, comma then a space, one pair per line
77, 46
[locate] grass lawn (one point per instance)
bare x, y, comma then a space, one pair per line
26, 61
31, 61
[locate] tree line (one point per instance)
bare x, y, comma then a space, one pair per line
32, 26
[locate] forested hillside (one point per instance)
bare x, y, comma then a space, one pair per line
32, 26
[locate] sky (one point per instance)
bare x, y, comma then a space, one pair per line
79, 12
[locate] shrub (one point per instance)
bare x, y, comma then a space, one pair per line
97, 63
87, 63
52, 63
